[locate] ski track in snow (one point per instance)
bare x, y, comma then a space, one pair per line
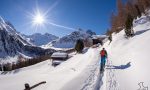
102, 81
88, 84
95, 79
111, 83
88, 76
99, 81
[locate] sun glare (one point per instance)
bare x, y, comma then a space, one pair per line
38, 19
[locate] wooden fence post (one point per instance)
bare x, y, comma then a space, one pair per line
27, 86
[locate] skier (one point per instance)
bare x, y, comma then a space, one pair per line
103, 54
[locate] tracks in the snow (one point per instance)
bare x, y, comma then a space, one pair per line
112, 83
99, 81
89, 83
94, 81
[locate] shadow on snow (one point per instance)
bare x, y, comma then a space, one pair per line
10, 72
99, 81
119, 67
141, 32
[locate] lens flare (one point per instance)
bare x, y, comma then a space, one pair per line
38, 19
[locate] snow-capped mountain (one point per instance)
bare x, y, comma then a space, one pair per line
39, 39
69, 41
12, 43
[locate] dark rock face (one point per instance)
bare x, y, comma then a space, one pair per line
8, 44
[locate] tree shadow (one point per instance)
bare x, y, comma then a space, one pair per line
141, 32
120, 66
16, 71
5, 72
9, 72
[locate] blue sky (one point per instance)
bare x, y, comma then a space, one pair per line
63, 16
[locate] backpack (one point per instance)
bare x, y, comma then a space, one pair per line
103, 53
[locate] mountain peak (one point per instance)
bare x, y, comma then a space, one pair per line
2, 20
69, 41
39, 39
90, 32
7, 26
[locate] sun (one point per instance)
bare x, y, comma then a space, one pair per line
38, 19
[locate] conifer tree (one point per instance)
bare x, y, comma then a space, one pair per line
126, 12
79, 46
129, 26
138, 11
113, 22
121, 15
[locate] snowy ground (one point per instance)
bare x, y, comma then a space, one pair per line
128, 62
78, 73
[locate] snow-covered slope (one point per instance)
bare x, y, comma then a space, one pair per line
39, 39
128, 60
72, 74
69, 41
